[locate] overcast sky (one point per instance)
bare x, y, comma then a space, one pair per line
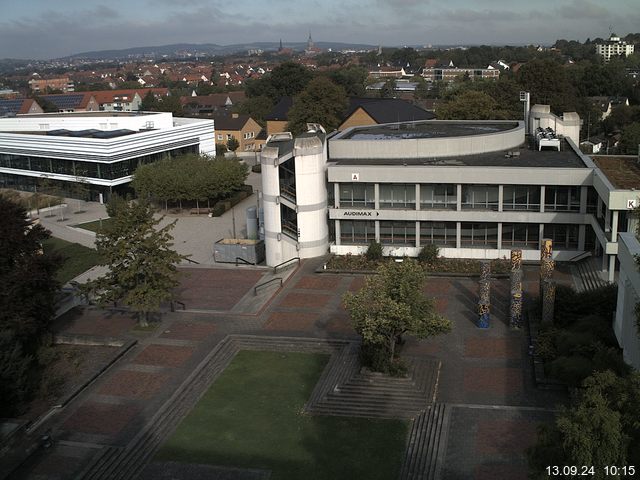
45, 29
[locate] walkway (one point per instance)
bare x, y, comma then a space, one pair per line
478, 414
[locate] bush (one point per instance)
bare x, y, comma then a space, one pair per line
570, 370
375, 356
570, 306
429, 254
374, 252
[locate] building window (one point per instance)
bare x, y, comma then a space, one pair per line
287, 172
401, 195
521, 197
565, 237
289, 220
357, 232
442, 197
522, 235
562, 199
483, 235
357, 195
398, 233
442, 234
480, 197
229, 136
220, 137
592, 200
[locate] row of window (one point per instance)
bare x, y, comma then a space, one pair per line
78, 168
481, 197
444, 234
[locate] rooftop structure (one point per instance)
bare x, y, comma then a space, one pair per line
614, 47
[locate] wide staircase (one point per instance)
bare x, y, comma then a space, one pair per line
589, 274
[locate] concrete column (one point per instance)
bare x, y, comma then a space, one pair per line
614, 226
541, 236
500, 199
500, 230
417, 234
599, 207
336, 194
542, 194
337, 222
583, 199
417, 200
607, 223
612, 268
376, 194
459, 199
458, 234
582, 235
377, 228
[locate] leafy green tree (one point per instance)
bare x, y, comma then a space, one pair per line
233, 144
149, 102
142, 263
392, 304
170, 104
352, 79
388, 89
630, 141
549, 84
256, 107
322, 101
286, 80
28, 289
601, 427
471, 105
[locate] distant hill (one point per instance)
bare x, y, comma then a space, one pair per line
180, 49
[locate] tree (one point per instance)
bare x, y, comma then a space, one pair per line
549, 84
352, 79
601, 427
471, 105
233, 144
388, 89
630, 141
28, 289
142, 264
389, 305
322, 101
149, 102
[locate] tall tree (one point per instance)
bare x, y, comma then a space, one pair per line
322, 101
27, 297
392, 304
142, 263
471, 105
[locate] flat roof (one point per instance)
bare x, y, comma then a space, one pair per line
87, 114
623, 171
426, 129
526, 156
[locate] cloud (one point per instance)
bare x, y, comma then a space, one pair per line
583, 9
465, 15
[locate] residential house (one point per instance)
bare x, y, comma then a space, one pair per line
73, 102
18, 106
241, 127
607, 104
210, 105
63, 84
375, 111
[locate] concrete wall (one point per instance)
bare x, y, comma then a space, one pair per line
80, 121
567, 126
429, 147
624, 324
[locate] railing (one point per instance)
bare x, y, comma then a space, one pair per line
268, 282
275, 269
580, 256
243, 261
173, 307
191, 261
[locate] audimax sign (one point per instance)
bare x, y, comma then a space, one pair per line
360, 213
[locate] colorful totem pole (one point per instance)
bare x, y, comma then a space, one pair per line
547, 285
515, 308
484, 302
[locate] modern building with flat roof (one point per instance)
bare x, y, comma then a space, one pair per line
476, 189
98, 148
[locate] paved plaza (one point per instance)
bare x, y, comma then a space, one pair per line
484, 380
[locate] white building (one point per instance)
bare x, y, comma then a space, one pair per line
103, 149
614, 47
476, 189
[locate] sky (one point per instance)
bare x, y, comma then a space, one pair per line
42, 29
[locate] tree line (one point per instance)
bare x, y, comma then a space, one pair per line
190, 178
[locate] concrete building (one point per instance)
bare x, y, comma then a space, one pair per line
614, 47
625, 327
101, 149
476, 189
449, 73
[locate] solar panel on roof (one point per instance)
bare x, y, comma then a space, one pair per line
10, 105
64, 102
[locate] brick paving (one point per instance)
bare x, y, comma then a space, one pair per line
215, 289
132, 384
164, 355
478, 366
100, 418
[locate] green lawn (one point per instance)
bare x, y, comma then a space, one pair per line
252, 417
77, 258
95, 225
